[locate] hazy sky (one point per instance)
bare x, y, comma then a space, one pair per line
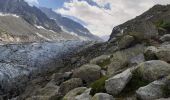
100, 16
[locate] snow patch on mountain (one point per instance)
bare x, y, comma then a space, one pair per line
8, 14
38, 34
39, 27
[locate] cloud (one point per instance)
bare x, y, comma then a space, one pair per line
100, 21
32, 2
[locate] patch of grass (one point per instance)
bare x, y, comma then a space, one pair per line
98, 86
162, 24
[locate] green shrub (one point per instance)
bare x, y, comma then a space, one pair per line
98, 86
163, 25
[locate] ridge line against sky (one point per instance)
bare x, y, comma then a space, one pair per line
99, 16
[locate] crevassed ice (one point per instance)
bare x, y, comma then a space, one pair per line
12, 71
26, 59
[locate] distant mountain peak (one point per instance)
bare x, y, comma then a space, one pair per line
69, 25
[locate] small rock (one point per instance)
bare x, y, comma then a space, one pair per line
74, 93
165, 38
88, 73
117, 83
125, 41
69, 85
150, 53
102, 96
153, 70
67, 75
152, 91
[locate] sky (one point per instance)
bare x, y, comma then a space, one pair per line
99, 16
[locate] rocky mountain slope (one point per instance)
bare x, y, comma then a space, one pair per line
20, 22
69, 25
145, 23
15, 29
134, 64
32, 15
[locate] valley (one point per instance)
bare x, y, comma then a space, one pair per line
47, 56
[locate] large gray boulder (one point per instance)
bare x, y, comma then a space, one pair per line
88, 73
59, 78
137, 60
165, 38
153, 70
125, 41
118, 62
163, 52
150, 53
69, 85
71, 95
121, 59
117, 83
102, 96
152, 91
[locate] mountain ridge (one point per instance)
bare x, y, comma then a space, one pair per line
69, 25
21, 21
150, 18
32, 14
